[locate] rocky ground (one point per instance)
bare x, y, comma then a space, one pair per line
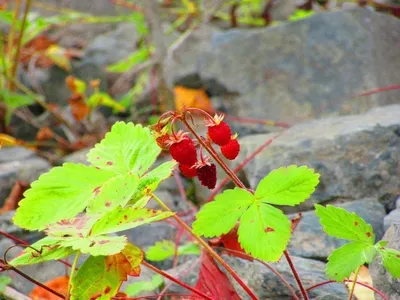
305, 73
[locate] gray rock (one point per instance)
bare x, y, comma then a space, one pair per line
113, 46
392, 218
264, 283
7, 226
357, 156
299, 70
24, 165
383, 281
310, 241
78, 157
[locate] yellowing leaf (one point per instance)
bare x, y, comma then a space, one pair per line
79, 108
197, 98
76, 85
104, 99
58, 55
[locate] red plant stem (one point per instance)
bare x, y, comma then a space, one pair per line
154, 296
378, 90
240, 167
273, 270
181, 283
19, 241
126, 5
347, 280
177, 241
233, 10
216, 157
296, 275
36, 282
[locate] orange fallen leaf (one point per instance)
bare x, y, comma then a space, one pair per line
197, 98
15, 196
44, 134
79, 108
59, 284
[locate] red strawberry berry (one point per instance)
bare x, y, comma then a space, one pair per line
219, 131
231, 150
188, 171
207, 175
183, 150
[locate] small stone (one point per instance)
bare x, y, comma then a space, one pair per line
392, 218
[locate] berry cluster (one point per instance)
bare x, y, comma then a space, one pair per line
183, 149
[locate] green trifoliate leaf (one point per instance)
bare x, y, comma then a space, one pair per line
77, 227
346, 259
165, 249
115, 192
342, 224
136, 288
121, 219
60, 194
391, 261
126, 148
287, 185
149, 182
264, 232
96, 245
220, 216
43, 250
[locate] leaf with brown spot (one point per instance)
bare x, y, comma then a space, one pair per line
96, 245
102, 276
77, 227
121, 219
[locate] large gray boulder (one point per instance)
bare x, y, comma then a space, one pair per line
357, 156
298, 70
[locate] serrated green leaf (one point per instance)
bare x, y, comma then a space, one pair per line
4, 281
149, 182
220, 216
391, 261
115, 192
346, 259
136, 288
127, 148
95, 278
287, 185
60, 194
73, 228
43, 250
165, 249
129, 62
264, 232
103, 99
342, 224
96, 245
121, 219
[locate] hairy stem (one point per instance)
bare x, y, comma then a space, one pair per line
14, 65
166, 275
296, 275
71, 275
208, 249
354, 283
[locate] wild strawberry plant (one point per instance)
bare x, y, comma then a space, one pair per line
80, 208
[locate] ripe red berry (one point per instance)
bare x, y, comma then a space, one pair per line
218, 131
207, 175
231, 150
188, 171
183, 151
